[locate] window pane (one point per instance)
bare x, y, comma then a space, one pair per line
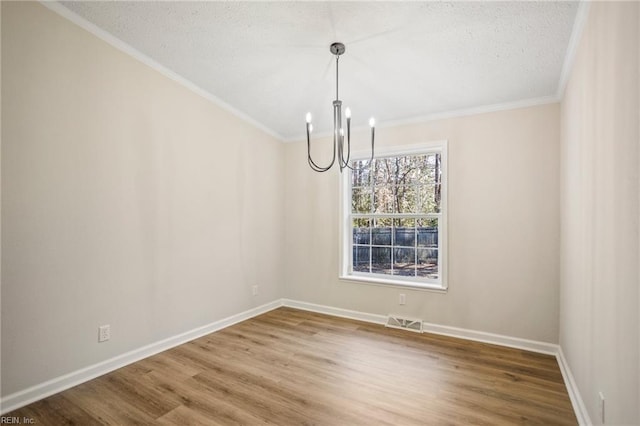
361, 200
427, 263
361, 258
383, 199
429, 198
381, 260
405, 199
361, 174
401, 169
361, 231
428, 233
404, 232
409, 171
429, 170
381, 232
404, 261
383, 171
421, 171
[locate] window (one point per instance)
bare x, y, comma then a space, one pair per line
394, 218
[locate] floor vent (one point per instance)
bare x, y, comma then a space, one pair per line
411, 324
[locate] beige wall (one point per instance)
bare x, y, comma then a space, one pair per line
503, 227
126, 200
129, 200
599, 322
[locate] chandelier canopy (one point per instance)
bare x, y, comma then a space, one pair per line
339, 150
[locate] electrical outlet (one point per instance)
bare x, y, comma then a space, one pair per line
104, 333
601, 397
402, 299
254, 290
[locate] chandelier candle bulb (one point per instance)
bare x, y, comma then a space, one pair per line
308, 117
372, 122
347, 113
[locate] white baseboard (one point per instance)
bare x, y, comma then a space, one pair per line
336, 312
574, 394
58, 384
467, 334
462, 333
495, 339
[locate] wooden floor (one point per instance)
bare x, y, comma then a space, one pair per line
290, 367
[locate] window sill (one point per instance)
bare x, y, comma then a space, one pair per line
393, 283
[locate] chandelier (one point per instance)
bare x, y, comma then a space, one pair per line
338, 131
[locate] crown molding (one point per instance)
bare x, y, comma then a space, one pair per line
141, 57
579, 24
576, 35
463, 112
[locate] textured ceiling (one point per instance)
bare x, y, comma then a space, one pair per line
403, 60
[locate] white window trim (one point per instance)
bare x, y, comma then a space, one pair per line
345, 237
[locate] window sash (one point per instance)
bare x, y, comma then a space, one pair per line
346, 251
392, 246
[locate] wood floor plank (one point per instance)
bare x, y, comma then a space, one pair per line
186, 416
105, 406
292, 367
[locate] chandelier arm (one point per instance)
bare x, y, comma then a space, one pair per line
373, 134
345, 162
338, 132
312, 163
340, 152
